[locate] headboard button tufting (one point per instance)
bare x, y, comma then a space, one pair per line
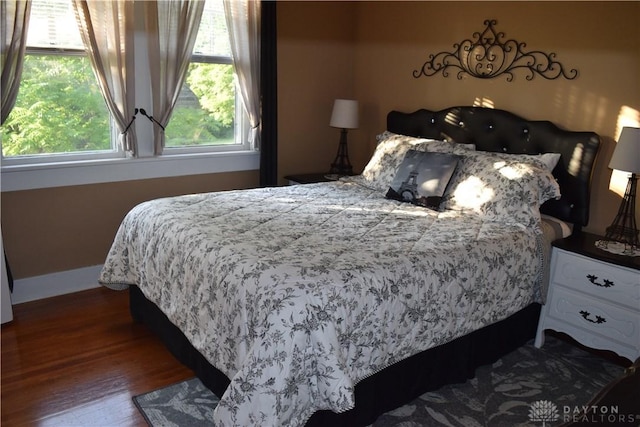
498, 130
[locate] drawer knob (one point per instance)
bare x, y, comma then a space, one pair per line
605, 283
587, 316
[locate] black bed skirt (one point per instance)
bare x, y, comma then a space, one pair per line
454, 362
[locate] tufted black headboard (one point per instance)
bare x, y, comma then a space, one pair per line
498, 130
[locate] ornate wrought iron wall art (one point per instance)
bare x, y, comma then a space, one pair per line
487, 56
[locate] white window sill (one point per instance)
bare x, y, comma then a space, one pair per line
29, 177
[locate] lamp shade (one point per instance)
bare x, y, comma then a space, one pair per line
345, 114
626, 156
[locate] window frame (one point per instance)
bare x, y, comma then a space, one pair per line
67, 169
35, 159
241, 125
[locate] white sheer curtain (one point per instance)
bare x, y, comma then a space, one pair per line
172, 28
15, 22
107, 30
243, 22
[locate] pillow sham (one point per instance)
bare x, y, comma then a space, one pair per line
422, 178
547, 160
390, 152
387, 134
505, 189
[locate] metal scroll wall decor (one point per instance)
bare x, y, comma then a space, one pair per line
487, 56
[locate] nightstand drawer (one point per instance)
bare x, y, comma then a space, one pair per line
596, 317
602, 280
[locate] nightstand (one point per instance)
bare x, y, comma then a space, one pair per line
594, 296
308, 178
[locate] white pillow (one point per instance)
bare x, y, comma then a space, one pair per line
548, 160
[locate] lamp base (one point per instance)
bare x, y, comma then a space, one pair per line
341, 165
623, 229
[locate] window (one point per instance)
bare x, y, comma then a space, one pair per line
208, 113
60, 114
59, 109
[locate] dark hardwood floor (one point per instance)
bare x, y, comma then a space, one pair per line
77, 360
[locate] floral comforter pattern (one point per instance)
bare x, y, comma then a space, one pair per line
297, 293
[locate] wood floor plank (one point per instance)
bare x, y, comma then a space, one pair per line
77, 360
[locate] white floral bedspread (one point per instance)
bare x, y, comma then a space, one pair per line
297, 293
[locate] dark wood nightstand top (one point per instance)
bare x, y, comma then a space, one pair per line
585, 244
308, 178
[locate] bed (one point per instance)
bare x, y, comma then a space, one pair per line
331, 303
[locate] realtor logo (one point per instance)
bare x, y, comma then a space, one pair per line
546, 412
543, 411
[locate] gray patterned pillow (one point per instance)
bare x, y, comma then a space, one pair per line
506, 189
422, 178
390, 152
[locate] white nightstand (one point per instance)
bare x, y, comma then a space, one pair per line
594, 296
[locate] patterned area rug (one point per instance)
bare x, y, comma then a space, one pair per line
528, 387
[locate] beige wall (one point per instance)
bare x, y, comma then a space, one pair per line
368, 51
64, 228
600, 39
316, 55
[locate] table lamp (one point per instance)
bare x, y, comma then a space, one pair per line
344, 116
626, 158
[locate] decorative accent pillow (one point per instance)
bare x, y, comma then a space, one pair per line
422, 178
502, 189
390, 152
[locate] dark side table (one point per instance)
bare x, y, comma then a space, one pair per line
308, 178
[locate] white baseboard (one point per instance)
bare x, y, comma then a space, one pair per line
54, 284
